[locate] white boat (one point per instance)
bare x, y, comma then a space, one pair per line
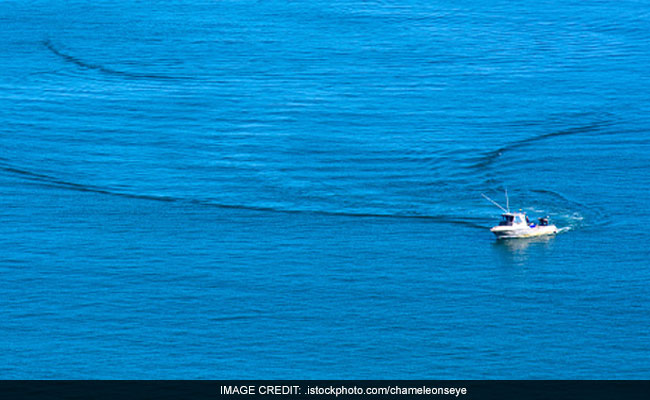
517, 224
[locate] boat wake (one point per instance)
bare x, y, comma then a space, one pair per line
103, 69
489, 158
51, 181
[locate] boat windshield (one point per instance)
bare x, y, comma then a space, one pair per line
506, 220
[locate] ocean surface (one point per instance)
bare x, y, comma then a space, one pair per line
292, 189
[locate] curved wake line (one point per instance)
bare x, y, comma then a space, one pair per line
86, 65
492, 156
51, 181
564, 199
48, 180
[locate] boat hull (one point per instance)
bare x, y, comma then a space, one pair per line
509, 232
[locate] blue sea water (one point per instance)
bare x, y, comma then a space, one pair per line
285, 189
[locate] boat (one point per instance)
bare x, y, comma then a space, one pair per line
518, 225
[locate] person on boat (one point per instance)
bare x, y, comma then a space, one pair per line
543, 221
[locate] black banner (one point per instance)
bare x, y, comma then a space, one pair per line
323, 389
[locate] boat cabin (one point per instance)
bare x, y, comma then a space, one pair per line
509, 219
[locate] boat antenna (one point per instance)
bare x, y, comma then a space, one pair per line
507, 201
495, 203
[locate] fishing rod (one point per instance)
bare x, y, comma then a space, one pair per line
497, 204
